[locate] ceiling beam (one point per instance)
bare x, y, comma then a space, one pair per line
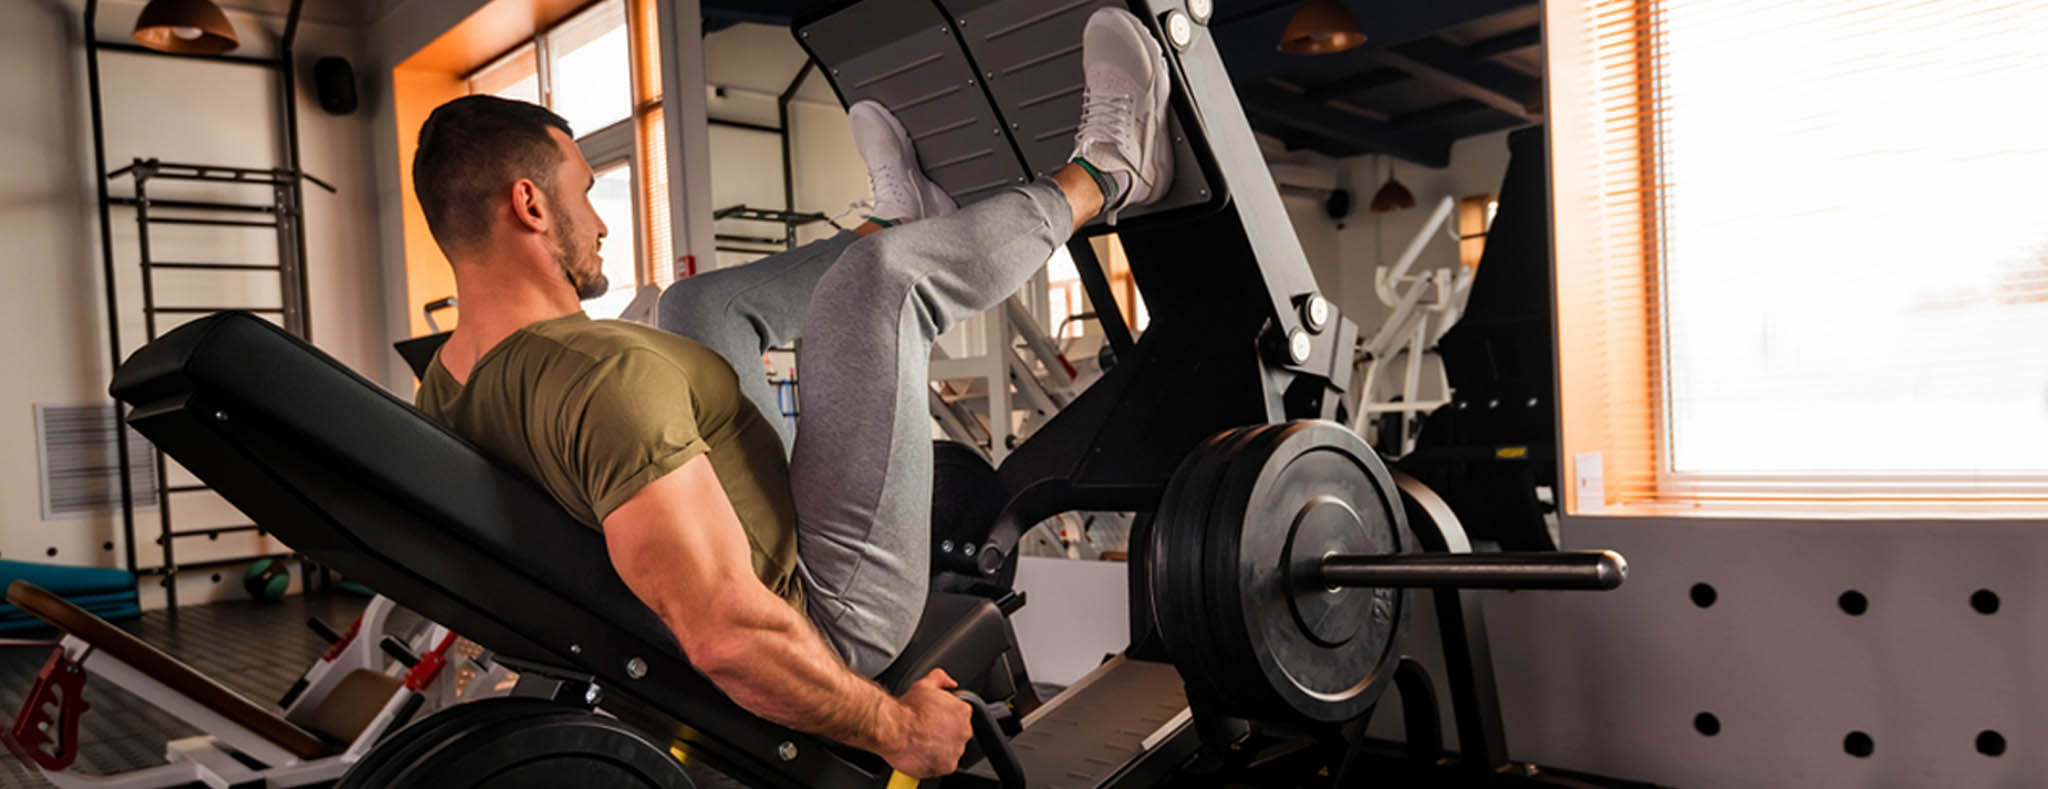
1356, 83
1495, 46
1444, 65
1295, 115
1248, 37
1441, 112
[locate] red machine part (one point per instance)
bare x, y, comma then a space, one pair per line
334, 650
422, 674
45, 731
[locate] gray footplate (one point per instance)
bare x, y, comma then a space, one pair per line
1101, 725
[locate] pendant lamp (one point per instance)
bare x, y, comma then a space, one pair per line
185, 27
1391, 197
1320, 27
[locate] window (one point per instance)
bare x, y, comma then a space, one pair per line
1068, 296
589, 69
612, 196
602, 75
1800, 258
516, 75
1475, 215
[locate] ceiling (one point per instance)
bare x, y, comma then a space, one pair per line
343, 13
1430, 73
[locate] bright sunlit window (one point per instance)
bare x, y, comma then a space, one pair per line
590, 69
613, 199
1854, 256
1800, 264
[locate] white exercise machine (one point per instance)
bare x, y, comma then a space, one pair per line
1425, 305
365, 685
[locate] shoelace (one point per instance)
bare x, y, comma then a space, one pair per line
1111, 118
891, 187
856, 209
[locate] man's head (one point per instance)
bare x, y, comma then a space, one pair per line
494, 175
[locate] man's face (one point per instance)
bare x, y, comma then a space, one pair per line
578, 232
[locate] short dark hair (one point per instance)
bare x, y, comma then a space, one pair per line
471, 148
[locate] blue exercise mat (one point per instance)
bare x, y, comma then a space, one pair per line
106, 592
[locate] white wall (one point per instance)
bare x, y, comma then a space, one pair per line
54, 309
754, 64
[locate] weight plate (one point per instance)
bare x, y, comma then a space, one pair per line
1230, 647
400, 749
1276, 645
1173, 562
535, 751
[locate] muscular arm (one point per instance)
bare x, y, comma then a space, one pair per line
681, 549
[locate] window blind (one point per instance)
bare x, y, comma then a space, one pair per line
1799, 257
1602, 188
651, 139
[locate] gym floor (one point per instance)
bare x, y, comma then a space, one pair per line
256, 648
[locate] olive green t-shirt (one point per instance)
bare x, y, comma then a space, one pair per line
597, 409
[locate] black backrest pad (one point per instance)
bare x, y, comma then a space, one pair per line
344, 472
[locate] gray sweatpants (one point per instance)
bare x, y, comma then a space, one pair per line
868, 310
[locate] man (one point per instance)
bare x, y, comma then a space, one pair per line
787, 582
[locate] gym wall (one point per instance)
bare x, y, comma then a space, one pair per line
53, 303
1370, 240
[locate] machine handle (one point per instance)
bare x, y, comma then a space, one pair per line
996, 747
399, 651
321, 629
1508, 570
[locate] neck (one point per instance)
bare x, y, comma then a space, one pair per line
496, 299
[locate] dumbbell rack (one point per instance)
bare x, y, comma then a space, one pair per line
282, 212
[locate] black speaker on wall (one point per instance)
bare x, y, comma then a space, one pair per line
334, 80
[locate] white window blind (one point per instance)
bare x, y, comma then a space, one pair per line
1854, 256
1799, 258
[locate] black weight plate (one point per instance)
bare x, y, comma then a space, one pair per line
402, 748
1173, 562
534, 751
1230, 647
1322, 481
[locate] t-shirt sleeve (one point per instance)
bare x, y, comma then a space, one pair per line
628, 422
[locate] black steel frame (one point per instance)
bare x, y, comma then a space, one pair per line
788, 217
283, 214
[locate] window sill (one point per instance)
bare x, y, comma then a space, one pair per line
1824, 509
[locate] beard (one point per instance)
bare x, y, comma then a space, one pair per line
582, 271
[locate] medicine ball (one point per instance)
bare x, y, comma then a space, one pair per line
266, 579
335, 82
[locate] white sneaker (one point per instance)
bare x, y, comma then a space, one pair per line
1123, 115
902, 192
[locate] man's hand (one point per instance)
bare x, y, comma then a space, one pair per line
934, 731
680, 547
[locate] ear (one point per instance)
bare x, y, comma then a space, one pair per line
529, 207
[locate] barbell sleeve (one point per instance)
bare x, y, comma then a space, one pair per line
1510, 570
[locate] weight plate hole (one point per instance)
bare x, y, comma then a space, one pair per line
1859, 745
1705, 723
1990, 743
1853, 603
1985, 602
1703, 595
